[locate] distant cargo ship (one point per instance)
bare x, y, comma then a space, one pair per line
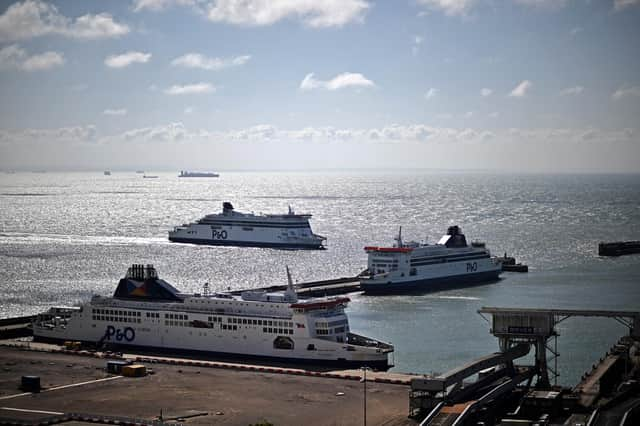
428, 267
148, 313
107, 173
232, 228
185, 173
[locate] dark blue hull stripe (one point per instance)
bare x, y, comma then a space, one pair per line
317, 246
431, 284
381, 365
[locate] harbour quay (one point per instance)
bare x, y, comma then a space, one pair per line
179, 393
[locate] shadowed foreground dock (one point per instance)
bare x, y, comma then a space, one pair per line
227, 396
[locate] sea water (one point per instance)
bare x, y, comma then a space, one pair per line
67, 236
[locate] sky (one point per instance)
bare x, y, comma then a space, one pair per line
498, 85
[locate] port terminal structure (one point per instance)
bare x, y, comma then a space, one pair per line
514, 326
452, 398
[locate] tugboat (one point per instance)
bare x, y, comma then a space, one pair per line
417, 267
147, 313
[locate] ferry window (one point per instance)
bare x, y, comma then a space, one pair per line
229, 320
255, 322
280, 331
235, 327
259, 322
186, 317
244, 320
270, 329
269, 322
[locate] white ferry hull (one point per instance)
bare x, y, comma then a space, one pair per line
237, 236
205, 342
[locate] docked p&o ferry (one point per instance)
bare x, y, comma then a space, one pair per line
420, 267
148, 313
232, 228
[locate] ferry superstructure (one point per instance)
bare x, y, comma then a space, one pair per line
232, 228
417, 267
148, 313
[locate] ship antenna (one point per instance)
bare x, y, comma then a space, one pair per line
205, 289
290, 293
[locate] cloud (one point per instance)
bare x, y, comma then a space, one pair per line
120, 111
13, 56
575, 31
35, 18
314, 13
190, 89
189, 110
417, 41
521, 89
341, 81
485, 92
623, 4
126, 59
74, 134
449, 7
432, 92
196, 60
550, 4
157, 5
624, 92
576, 90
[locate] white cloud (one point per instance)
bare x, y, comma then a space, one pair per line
196, 60
623, 4
314, 13
35, 18
417, 41
431, 93
521, 89
341, 81
75, 134
575, 31
190, 89
576, 90
494, 114
552, 4
126, 59
119, 111
449, 7
624, 92
468, 114
485, 92
13, 56
157, 5
188, 110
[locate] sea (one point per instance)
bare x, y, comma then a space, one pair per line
67, 236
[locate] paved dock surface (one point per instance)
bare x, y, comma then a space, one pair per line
228, 396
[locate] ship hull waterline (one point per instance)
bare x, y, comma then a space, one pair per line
259, 244
430, 285
378, 365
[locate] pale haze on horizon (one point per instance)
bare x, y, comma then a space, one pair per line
514, 85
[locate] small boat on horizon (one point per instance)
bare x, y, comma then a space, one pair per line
185, 173
150, 177
107, 173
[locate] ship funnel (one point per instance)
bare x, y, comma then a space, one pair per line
290, 294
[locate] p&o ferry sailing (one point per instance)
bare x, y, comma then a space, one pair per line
148, 313
420, 267
232, 228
